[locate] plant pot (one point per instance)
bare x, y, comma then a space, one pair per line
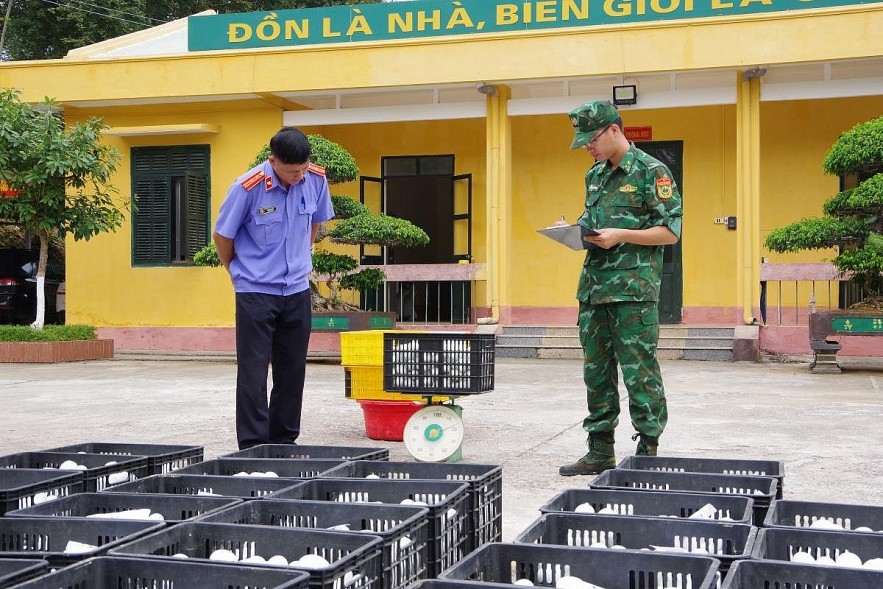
51, 352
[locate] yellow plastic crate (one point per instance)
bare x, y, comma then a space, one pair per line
366, 382
364, 348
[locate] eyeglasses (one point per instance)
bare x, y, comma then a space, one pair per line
597, 136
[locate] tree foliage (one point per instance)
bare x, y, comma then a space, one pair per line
62, 176
44, 30
853, 218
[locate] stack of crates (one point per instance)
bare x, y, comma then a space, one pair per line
485, 489
361, 355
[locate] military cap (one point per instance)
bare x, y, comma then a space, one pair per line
587, 119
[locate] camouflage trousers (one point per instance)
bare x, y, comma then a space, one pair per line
625, 334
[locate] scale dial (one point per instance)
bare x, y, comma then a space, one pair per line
434, 433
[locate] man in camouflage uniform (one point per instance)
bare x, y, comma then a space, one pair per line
633, 204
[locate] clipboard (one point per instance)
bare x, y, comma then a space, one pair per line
569, 235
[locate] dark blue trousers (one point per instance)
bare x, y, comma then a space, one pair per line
272, 331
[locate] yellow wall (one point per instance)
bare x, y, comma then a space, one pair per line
549, 182
796, 137
102, 286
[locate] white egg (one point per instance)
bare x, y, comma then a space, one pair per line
157, 517
115, 478
255, 558
875, 564
825, 561
350, 577
404, 542
372, 476
41, 498
110, 463
569, 582
825, 524
407, 501
848, 559
863, 529
270, 474
340, 528
180, 555
68, 465
278, 559
584, 508
527, 582
607, 510
804, 557
310, 561
618, 547
451, 513
223, 554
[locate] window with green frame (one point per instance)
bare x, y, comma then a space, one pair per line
170, 189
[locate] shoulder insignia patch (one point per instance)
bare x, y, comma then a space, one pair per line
268, 183
252, 180
316, 169
628, 188
663, 188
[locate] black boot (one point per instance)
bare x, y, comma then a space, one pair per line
646, 445
599, 458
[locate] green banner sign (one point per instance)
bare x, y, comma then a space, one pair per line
330, 323
857, 324
434, 18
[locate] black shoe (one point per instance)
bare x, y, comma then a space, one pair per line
584, 467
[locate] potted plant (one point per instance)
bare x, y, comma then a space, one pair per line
852, 222
353, 224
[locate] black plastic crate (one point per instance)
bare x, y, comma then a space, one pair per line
161, 458
438, 362
761, 489
448, 504
206, 485
286, 468
17, 570
405, 548
788, 513
354, 559
116, 571
759, 468
310, 452
48, 537
725, 542
782, 543
543, 565
485, 488
727, 508
97, 476
173, 508
771, 574
24, 487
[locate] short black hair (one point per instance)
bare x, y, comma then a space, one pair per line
290, 146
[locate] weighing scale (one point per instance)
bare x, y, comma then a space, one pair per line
435, 433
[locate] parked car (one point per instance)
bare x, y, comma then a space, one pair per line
18, 286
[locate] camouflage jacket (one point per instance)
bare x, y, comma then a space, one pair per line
638, 194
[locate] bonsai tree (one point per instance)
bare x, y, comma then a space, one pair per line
57, 179
353, 224
853, 218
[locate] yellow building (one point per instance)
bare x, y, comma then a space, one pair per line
455, 114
